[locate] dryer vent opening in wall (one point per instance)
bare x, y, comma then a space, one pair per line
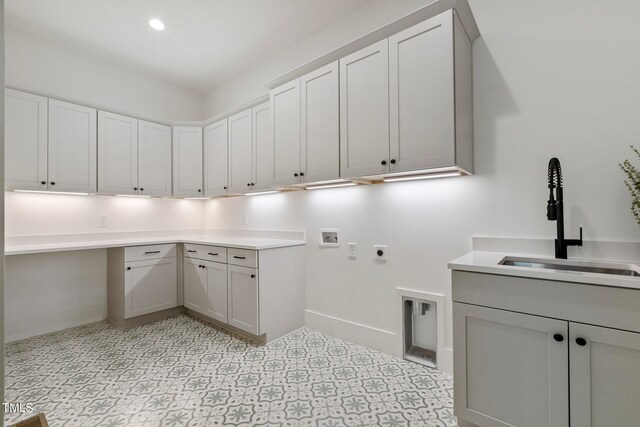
420, 334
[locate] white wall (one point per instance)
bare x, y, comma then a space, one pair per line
40, 65
551, 79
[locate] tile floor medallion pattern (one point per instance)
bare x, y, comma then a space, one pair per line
184, 372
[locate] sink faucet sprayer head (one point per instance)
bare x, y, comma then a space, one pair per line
555, 181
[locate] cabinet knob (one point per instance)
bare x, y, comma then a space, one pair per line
393, 161
295, 174
253, 276
581, 342
43, 182
301, 173
224, 188
558, 337
248, 184
128, 268
141, 189
384, 162
199, 190
252, 184
135, 188
52, 183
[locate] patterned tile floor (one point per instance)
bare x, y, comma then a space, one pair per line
183, 372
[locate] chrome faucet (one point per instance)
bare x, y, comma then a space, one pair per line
555, 210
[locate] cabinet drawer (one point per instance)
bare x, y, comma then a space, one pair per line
140, 253
209, 253
243, 257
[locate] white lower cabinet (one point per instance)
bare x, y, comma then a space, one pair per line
142, 283
567, 362
260, 292
242, 288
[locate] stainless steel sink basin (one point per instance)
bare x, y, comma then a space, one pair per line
617, 269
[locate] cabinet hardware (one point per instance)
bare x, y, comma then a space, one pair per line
128, 268
199, 190
151, 252
384, 162
43, 182
581, 342
301, 173
252, 184
52, 183
393, 161
191, 251
558, 337
248, 185
295, 174
224, 188
239, 257
142, 189
253, 276
135, 188
212, 254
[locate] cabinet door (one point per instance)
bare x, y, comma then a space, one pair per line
154, 159
364, 111
187, 161
117, 154
421, 95
243, 298
215, 158
216, 286
25, 141
285, 114
508, 368
195, 291
605, 376
263, 151
240, 161
320, 133
72, 161
150, 286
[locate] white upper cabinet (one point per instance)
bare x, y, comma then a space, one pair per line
364, 111
187, 161
285, 113
320, 133
421, 88
215, 159
154, 159
117, 154
263, 152
72, 153
25, 143
240, 156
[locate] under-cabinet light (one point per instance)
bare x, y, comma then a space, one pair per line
156, 24
196, 198
133, 195
258, 193
54, 192
423, 176
340, 184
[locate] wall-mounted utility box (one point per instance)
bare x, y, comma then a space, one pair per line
420, 332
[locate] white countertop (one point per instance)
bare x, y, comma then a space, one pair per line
488, 262
19, 245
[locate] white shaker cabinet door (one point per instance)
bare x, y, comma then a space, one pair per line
509, 368
243, 298
25, 141
263, 150
216, 286
150, 286
285, 115
320, 133
364, 111
187, 161
154, 159
195, 287
215, 159
421, 93
117, 154
240, 156
605, 376
72, 161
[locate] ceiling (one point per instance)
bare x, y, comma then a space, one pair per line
205, 44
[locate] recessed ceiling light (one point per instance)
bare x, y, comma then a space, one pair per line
156, 24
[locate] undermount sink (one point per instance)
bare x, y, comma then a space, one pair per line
617, 269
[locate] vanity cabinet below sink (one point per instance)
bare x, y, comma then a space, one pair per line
531, 352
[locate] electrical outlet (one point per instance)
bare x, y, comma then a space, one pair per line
245, 219
380, 253
102, 221
353, 250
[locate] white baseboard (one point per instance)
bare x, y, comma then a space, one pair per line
33, 326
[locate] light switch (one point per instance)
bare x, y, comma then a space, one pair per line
353, 250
